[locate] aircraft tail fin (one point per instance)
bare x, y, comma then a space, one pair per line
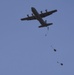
48, 24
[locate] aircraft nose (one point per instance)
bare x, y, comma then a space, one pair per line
32, 7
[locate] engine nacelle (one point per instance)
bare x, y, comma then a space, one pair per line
27, 15
41, 12
46, 10
32, 14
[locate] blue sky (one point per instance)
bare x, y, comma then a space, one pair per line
24, 48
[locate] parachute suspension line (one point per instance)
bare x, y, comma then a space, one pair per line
47, 31
47, 28
51, 47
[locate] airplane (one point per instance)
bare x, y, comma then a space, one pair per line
39, 17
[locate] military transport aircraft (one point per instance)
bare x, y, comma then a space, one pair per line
39, 17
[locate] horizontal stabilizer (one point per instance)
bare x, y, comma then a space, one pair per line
48, 24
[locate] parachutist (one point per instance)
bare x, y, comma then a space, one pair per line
61, 64
55, 50
45, 34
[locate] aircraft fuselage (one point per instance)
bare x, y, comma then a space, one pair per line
38, 16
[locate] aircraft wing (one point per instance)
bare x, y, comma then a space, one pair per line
42, 15
47, 13
29, 18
